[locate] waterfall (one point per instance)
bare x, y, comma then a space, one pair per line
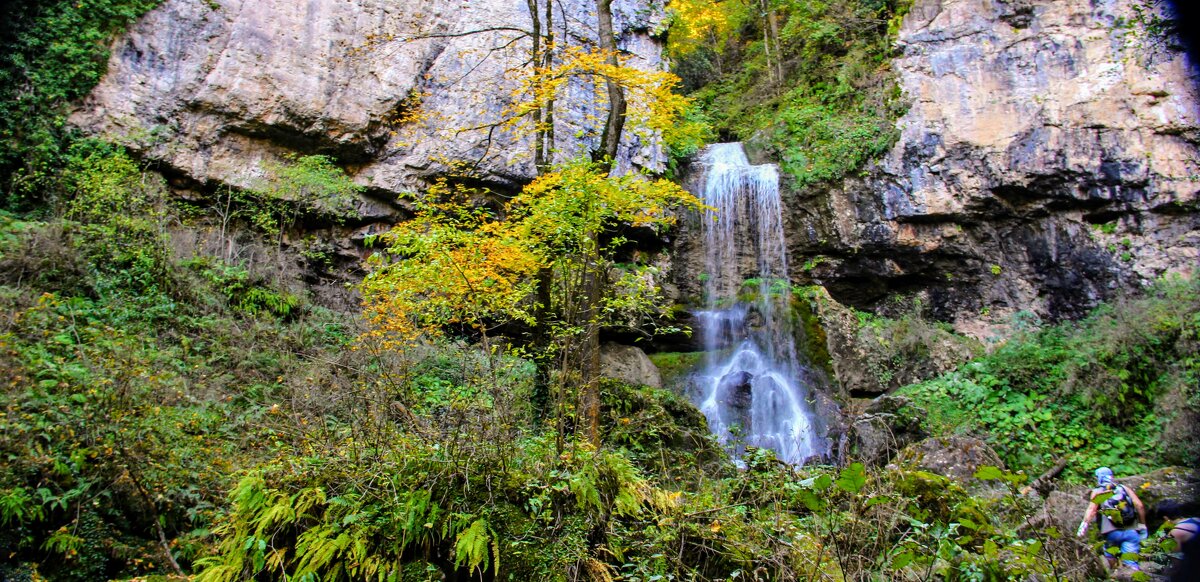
753, 388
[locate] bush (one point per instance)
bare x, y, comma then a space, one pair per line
51, 53
1103, 391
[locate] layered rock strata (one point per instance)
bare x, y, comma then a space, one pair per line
1049, 158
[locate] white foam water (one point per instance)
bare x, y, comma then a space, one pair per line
753, 388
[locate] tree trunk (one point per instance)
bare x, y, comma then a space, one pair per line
547, 136
611, 138
589, 368
773, 26
535, 57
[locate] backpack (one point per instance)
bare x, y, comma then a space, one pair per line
1118, 507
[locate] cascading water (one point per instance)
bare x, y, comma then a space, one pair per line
753, 389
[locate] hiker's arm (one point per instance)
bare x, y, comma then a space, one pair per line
1141, 509
1088, 516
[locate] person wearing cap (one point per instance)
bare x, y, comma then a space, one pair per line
1126, 538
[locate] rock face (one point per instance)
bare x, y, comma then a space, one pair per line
735, 391
399, 91
628, 364
1048, 159
868, 360
886, 426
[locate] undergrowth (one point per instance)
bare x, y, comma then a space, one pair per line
1117, 389
138, 382
51, 53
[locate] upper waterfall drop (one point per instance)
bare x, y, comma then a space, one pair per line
753, 388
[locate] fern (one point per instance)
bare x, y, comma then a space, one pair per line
62, 542
315, 549
472, 546
17, 505
277, 512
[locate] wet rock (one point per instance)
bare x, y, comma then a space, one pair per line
832, 422
736, 392
628, 364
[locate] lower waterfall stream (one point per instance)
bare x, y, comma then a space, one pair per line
752, 388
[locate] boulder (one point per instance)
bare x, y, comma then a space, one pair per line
886, 426
1064, 508
1177, 484
735, 390
628, 364
956, 457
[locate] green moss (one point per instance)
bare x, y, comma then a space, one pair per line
663, 433
815, 345
675, 367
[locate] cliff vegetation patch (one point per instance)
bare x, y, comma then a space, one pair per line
809, 83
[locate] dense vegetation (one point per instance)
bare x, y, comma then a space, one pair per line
51, 53
807, 81
1117, 389
149, 380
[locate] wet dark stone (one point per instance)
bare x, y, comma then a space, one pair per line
735, 390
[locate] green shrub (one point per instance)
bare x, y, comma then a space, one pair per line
1102, 391
837, 104
51, 53
245, 293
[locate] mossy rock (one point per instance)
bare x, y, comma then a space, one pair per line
676, 367
664, 433
814, 345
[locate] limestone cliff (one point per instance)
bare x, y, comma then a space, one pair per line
1049, 157
399, 91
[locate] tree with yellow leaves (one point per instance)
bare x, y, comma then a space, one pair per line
547, 267
542, 264
553, 62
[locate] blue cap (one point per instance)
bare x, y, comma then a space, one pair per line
1104, 476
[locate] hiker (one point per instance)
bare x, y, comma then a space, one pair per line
1183, 530
1122, 519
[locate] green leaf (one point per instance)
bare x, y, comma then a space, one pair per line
902, 559
852, 479
990, 550
876, 500
988, 473
471, 547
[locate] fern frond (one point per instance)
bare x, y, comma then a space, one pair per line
472, 546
